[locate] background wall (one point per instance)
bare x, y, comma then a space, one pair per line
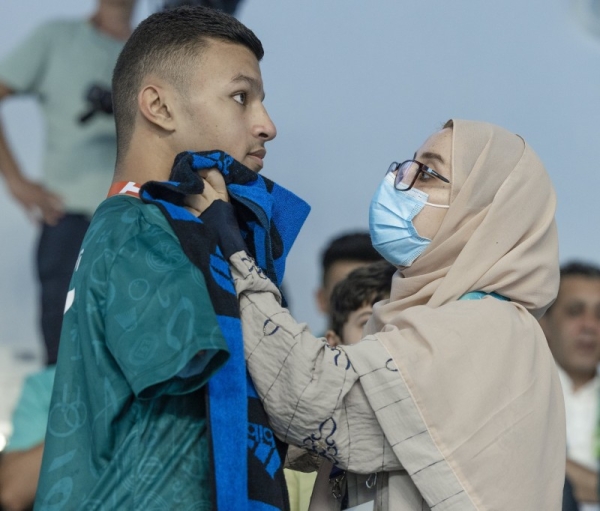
352, 86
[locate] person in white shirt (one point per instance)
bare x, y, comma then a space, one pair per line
572, 327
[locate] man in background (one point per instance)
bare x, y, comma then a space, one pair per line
344, 253
228, 6
572, 327
67, 66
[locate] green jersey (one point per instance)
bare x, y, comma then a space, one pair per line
127, 422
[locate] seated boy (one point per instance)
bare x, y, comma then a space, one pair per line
352, 301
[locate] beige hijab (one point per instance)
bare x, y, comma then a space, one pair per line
480, 372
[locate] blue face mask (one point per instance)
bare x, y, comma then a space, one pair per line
391, 223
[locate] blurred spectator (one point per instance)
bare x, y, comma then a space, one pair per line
572, 327
342, 255
569, 503
67, 65
22, 458
353, 298
228, 6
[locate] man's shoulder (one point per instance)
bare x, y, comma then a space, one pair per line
121, 218
130, 212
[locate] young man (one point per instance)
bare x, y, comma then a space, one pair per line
353, 298
572, 327
128, 422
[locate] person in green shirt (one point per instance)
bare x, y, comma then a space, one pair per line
127, 427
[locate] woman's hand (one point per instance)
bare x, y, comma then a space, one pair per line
214, 189
218, 215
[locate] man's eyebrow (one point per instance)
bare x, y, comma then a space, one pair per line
252, 82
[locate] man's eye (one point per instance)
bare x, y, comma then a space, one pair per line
240, 97
574, 310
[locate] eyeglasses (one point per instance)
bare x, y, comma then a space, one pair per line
409, 171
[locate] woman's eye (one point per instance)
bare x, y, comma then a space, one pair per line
240, 97
425, 176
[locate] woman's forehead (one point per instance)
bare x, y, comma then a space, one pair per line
438, 147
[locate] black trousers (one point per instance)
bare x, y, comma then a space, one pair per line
57, 254
569, 502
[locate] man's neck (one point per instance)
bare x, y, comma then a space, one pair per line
114, 19
142, 163
578, 381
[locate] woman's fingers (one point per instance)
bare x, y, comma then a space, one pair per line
214, 189
214, 181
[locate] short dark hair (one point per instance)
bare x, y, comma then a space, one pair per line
164, 43
351, 246
579, 268
363, 286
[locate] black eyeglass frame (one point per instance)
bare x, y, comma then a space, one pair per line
422, 168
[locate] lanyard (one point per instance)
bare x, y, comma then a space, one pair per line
124, 188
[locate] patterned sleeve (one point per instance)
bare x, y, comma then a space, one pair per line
161, 327
311, 392
23, 68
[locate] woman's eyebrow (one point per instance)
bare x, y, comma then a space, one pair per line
431, 156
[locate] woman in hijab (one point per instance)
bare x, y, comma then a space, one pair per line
452, 400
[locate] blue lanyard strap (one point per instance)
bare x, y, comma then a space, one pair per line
478, 295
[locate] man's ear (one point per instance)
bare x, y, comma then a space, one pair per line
544, 323
156, 106
322, 301
333, 339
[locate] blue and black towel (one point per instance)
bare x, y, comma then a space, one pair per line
248, 459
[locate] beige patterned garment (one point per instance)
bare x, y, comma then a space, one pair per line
455, 404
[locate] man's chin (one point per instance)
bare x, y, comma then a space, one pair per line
254, 163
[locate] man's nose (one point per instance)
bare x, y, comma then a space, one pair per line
264, 127
591, 321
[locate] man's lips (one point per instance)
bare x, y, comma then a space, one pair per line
586, 345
